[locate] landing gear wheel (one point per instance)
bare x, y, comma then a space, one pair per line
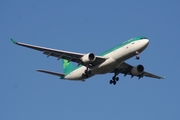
113, 78
117, 78
86, 71
137, 57
84, 75
89, 72
111, 81
114, 82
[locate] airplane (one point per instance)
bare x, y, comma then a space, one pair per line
88, 65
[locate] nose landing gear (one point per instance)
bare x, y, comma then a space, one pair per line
137, 55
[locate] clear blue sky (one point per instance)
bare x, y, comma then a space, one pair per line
88, 26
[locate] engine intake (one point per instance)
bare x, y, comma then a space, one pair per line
88, 58
137, 70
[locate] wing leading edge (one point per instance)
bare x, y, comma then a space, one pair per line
70, 56
125, 69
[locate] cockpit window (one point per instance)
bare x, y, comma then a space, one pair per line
143, 38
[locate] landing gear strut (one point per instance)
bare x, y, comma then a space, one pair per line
137, 55
114, 79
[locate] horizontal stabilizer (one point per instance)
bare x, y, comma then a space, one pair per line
52, 73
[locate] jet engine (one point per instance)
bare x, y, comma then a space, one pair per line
137, 70
88, 58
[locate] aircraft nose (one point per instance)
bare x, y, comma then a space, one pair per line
146, 42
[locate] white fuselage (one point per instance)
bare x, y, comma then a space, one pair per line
114, 59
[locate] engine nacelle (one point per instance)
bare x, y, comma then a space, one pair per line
137, 70
88, 58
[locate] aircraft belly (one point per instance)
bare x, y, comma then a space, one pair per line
109, 65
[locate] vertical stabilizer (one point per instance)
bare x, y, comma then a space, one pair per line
67, 66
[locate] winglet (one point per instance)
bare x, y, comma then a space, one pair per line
13, 41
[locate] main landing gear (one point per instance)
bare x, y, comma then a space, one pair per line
114, 79
86, 73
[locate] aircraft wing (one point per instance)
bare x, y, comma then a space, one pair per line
71, 56
52, 73
125, 69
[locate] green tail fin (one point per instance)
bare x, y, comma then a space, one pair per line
67, 66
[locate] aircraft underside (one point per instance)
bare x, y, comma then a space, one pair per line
111, 61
